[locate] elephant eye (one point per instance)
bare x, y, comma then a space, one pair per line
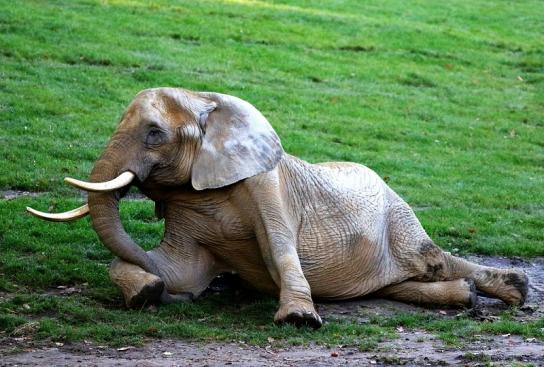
154, 137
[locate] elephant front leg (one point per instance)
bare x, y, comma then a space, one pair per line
138, 286
185, 274
296, 305
277, 243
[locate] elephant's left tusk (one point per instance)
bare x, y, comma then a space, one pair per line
61, 217
120, 181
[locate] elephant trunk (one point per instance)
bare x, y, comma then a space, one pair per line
104, 211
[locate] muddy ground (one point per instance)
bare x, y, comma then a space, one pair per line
412, 348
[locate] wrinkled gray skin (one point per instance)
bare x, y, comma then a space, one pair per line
234, 201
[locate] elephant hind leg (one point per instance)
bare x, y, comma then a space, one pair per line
417, 255
459, 292
509, 285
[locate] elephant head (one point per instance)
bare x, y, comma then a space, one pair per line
169, 138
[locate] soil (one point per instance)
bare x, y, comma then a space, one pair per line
14, 194
412, 348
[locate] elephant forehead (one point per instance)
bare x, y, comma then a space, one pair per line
174, 109
159, 107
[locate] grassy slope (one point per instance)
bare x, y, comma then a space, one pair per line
445, 102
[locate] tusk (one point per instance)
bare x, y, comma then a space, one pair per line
61, 217
122, 180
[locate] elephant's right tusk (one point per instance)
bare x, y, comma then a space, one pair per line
120, 181
61, 217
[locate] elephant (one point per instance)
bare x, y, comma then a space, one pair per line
234, 201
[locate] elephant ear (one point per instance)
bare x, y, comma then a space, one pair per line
238, 143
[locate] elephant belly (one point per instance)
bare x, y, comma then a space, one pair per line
343, 240
362, 267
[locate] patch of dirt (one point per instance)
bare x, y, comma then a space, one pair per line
412, 348
64, 290
14, 194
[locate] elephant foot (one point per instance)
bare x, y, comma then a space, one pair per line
141, 288
472, 300
156, 293
138, 286
516, 286
511, 286
299, 315
150, 293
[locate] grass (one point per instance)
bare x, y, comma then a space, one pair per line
217, 317
457, 331
445, 102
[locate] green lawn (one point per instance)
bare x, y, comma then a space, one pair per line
443, 100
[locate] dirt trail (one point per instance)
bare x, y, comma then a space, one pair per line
412, 348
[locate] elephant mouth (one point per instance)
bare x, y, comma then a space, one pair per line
122, 181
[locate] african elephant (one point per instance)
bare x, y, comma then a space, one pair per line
234, 201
